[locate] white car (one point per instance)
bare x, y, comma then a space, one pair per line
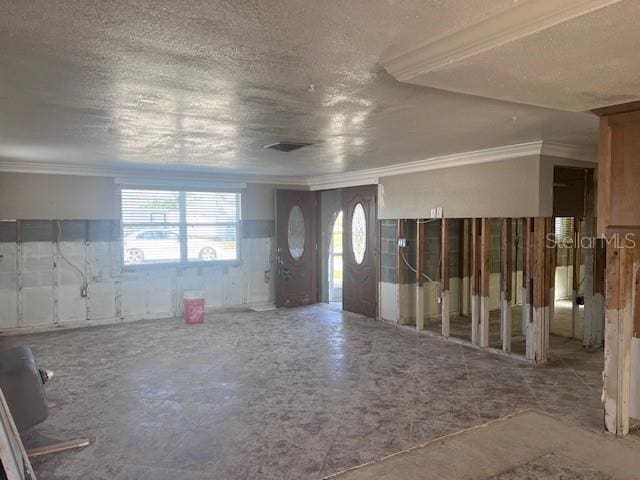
158, 245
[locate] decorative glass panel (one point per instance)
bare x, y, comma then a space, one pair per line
359, 233
296, 232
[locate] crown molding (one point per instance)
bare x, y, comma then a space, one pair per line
151, 173
573, 152
514, 23
369, 176
372, 175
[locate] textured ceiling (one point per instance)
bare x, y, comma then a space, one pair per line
208, 84
580, 64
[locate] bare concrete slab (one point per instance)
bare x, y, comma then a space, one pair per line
529, 445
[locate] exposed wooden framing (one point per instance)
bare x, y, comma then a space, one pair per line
599, 267
446, 305
420, 274
526, 300
575, 276
551, 250
506, 261
485, 271
402, 270
618, 216
476, 226
539, 285
623, 265
593, 316
465, 267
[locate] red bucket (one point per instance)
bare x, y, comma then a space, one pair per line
193, 307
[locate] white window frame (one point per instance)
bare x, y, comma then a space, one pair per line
182, 226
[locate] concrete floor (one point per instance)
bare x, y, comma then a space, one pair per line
286, 394
528, 445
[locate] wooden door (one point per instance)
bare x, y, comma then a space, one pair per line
360, 255
296, 252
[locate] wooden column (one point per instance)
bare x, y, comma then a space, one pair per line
476, 227
593, 316
446, 301
599, 269
551, 251
419, 274
506, 272
539, 263
465, 267
575, 277
622, 318
526, 279
485, 271
619, 221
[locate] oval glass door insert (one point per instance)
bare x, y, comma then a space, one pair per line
296, 232
359, 233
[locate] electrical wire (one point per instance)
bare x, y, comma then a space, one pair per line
429, 279
77, 269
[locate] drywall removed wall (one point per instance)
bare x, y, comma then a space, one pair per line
40, 289
41, 280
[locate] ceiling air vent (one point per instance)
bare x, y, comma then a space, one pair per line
286, 146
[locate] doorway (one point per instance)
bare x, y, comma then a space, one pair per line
335, 264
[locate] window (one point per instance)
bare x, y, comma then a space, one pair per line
564, 229
166, 226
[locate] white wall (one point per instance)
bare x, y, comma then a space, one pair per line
496, 189
26, 196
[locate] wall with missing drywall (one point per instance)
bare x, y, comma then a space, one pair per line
39, 289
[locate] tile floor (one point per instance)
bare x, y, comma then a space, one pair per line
284, 394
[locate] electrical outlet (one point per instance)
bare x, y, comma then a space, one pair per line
434, 212
438, 212
402, 242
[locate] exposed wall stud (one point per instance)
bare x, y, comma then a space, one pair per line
506, 283
476, 226
575, 275
526, 279
538, 324
485, 272
446, 305
465, 266
420, 275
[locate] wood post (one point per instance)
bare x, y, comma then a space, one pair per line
575, 277
600, 262
465, 266
622, 318
526, 278
446, 305
593, 313
506, 261
476, 227
539, 269
485, 271
419, 274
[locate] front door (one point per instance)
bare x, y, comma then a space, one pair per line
359, 287
296, 253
